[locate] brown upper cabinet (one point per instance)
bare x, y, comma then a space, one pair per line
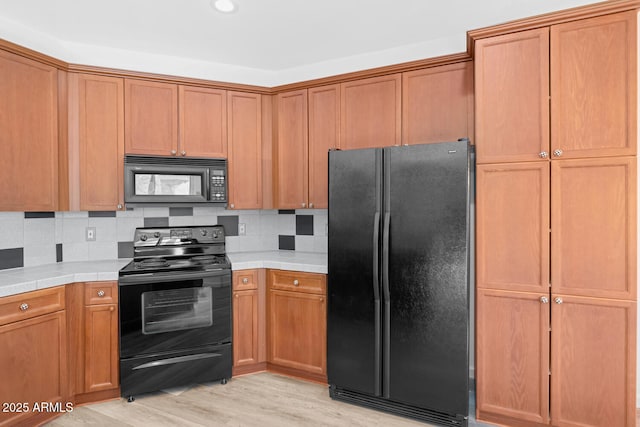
437, 104
175, 120
244, 126
203, 122
371, 111
592, 90
29, 136
96, 142
292, 150
151, 118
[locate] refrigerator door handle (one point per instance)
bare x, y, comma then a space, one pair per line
376, 274
386, 334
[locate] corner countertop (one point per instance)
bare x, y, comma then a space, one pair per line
18, 280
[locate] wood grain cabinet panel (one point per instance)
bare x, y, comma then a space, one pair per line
292, 150
371, 112
512, 366
33, 367
324, 135
203, 122
512, 226
29, 136
96, 142
244, 127
437, 104
246, 332
511, 96
593, 86
101, 348
297, 325
151, 117
593, 362
593, 223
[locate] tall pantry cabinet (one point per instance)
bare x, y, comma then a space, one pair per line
556, 139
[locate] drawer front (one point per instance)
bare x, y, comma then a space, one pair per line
100, 293
31, 304
313, 283
245, 280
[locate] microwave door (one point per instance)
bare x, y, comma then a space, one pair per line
164, 184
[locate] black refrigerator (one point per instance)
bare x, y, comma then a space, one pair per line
398, 279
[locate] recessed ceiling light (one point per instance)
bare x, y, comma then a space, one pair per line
224, 6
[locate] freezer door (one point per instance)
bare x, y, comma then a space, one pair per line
353, 324
425, 267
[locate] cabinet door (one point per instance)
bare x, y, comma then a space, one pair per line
292, 171
371, 112
593, 225
512, 226
593, 362
99, 141
245, 330
151, 117
29, 135
203, 122
244, 126
593, 86
297, 331
437, 104
101, 347
512, 348
512, 96
33, 364
324, 135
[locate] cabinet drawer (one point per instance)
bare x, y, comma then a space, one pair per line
313, 283
245, 279
31, 304
100, 293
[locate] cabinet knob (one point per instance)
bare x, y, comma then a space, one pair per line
235, 295
543, 154
558, 300
231, 206
184, 153
311, 205
544, 300
112, 308
321, 299
557, 152
100, 293
24, 306
245, 280
304, 205
173, 152
295, 282
119, 205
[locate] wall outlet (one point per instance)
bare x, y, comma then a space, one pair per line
90, 234
242, 229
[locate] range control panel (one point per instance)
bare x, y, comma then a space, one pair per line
170, 236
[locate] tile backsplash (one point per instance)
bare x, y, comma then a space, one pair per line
36, 238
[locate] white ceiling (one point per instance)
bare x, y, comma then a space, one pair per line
265, 42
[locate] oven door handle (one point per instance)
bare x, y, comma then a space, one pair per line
179, 359
159, 277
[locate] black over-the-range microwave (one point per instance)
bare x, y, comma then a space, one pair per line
174, 181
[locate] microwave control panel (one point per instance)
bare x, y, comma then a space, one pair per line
218, 185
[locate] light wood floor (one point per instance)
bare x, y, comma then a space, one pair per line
262, 399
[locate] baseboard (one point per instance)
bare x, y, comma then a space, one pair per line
296, 373
97, 396
249, 369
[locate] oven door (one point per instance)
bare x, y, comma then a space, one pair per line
168, 312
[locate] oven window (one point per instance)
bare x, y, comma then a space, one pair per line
176, 309
147, 184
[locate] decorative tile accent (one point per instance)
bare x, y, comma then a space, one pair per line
287, 211
156, 222
287, 243
180, 211
58, 252
102, 214
11, 258
125, 249
39, 214
304, 225
230, 223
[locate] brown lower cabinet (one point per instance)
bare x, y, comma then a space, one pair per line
33, 362
249, 326
297, 322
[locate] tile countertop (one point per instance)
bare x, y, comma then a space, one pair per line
18, 280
